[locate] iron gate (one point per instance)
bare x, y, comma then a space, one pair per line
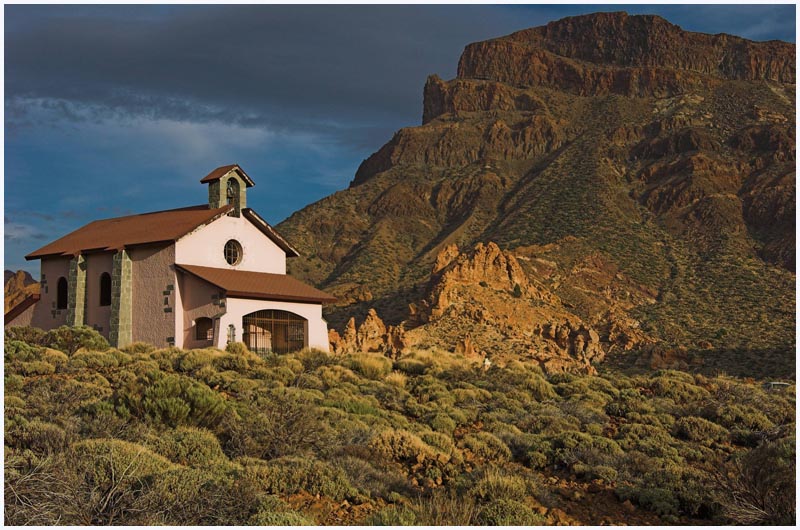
273, 330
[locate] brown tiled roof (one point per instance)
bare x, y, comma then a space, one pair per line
120, 232
223, 170
20, 308
260, 285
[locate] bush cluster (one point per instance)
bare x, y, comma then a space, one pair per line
96, 435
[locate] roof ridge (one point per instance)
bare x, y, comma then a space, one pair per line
128, 230
183, 208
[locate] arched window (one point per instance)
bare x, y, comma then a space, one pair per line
232, 192
274, 330
62, 293
105, 289
203, 329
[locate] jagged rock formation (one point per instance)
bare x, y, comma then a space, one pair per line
487, 266
484, 303
18, 286
641, 174
371, 336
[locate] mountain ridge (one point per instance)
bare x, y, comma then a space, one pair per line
682, 182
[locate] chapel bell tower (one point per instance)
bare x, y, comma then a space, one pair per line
228, 185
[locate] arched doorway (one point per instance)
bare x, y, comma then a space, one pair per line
273, 330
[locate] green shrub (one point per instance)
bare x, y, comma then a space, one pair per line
443, 443
649, 439
188, 446
411, 366
401, 446
92, 360
334, 375
508, 512
17, 350
677, 389
699, 430
27, 334
372, 366
236, 362
443, 423
41, 437
369, 477
758, 487
217, 495
313, 358
138, 348
108, 463
36, 368
173, 400
70, 339
287, 518
487, 446
13, 403
291, 474
237, 348
392, 515
739, 416
447, 507
193, 360
54, 357
495, 485
605, 473
670, 489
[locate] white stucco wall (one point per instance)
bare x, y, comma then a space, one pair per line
239, 307
205, 246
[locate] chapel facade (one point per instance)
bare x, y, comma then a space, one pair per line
190, 277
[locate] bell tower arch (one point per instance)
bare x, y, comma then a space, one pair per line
228, 185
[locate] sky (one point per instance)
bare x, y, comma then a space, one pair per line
115, 110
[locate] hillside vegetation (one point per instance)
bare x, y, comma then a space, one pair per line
647, 177
96, 435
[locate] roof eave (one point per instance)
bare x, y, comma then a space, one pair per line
280, 298
270, 232
98, 250
21, 307
262, 296
211, 177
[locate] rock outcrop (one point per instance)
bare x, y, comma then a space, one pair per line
485, 266
371, 336
486, 291
18, 286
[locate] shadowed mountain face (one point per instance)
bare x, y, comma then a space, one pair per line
637, 173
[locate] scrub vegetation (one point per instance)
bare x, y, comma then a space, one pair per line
96, 435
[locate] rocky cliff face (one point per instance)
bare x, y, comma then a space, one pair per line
613, 53
640, 176
18, 286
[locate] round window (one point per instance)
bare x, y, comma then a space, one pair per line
233, 252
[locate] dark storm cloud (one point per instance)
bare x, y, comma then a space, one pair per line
295, 67
349, 73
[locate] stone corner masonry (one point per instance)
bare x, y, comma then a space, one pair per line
76, 297
121, 332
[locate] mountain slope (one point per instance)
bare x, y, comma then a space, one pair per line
612, 155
